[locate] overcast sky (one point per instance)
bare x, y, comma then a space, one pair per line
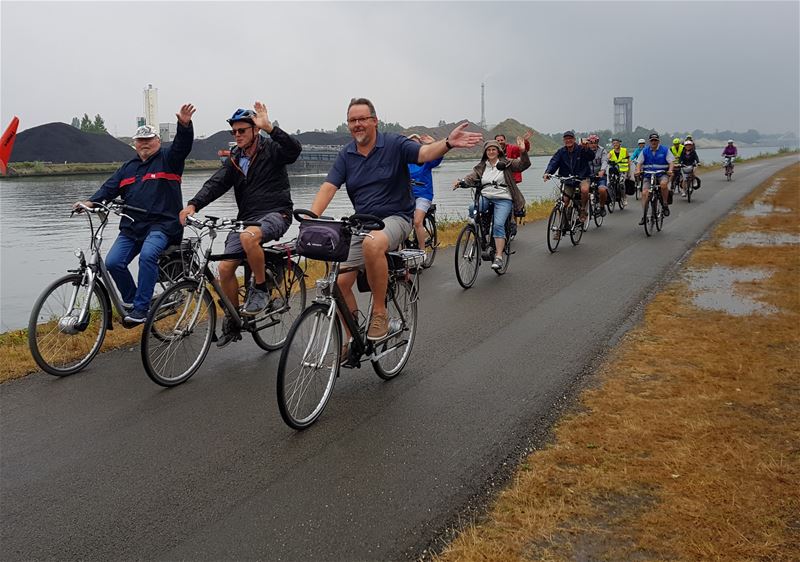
552, 65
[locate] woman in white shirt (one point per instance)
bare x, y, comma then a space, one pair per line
498, 171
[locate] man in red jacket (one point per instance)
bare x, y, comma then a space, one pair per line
512, 151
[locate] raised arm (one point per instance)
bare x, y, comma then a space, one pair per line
458, 138
287, 148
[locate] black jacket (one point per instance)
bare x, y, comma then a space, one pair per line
265, 189
575, 163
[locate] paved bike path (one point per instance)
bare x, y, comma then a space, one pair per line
106, 465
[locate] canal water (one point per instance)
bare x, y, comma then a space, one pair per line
38, 237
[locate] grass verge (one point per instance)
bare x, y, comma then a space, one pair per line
688, 449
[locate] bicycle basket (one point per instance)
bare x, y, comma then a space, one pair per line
324, 240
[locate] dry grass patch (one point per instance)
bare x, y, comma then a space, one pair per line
690, 448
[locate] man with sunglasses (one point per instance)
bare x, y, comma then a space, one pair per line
655, 158
374, 168
256, 170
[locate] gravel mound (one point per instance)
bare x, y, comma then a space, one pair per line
59, 142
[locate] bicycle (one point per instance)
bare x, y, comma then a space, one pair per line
432, 239
616, 186
313, 354
638, 180
476, 236
690, 181
654, 208
69, 320
595, 207
728, 165
181, 325
565, 217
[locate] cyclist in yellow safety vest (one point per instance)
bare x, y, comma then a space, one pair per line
619, 155
677, 148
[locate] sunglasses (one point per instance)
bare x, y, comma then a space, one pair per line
239, 131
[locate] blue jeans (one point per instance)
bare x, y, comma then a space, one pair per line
502, 209
121, 255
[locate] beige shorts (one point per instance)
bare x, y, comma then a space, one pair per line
395, 228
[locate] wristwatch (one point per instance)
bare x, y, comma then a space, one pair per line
447, 143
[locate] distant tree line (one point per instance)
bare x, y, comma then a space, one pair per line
87, 125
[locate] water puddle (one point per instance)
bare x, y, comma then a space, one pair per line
714, 290
762, 209
738, 239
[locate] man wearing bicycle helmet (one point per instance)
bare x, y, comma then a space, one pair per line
151, 181
677, 148
638, 150
256, 170
374, 167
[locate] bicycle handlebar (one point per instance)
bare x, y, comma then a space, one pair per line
359, 223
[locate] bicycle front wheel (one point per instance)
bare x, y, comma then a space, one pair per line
308, 366
658, 213
648, 218
578, 227
555, 228
178, 332
60, 344
468, 256
431, 242
394, 351
286, 303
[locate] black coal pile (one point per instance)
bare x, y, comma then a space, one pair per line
59, 142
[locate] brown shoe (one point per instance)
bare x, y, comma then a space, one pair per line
378, 326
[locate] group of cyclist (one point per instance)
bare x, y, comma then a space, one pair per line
374, 167
377, 169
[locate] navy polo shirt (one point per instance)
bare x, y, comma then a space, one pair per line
378, 184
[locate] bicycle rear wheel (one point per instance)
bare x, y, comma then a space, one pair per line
288, 299
432, 241
59, 345
468, 256
555, 227
612, 198
394, 351
177, 334
308, 366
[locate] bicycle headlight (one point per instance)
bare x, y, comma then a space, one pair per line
79, 254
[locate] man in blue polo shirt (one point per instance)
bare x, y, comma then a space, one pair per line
375, 169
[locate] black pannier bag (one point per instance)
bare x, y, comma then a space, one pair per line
630, 187
324, 240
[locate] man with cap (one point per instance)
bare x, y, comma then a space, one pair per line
151, 181
573, 160
655, 158
256, 170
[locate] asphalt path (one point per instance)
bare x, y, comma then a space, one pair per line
105, 465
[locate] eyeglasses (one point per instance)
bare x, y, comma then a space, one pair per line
358, 120
239, 131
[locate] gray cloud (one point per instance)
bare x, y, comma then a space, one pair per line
707, 65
